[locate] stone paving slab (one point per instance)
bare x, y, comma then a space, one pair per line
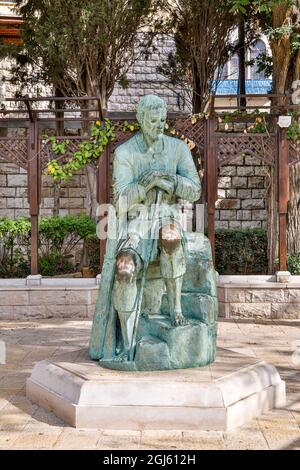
23, 425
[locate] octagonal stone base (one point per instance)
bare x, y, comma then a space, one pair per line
221, 396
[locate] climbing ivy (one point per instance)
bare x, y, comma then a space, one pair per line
88, 150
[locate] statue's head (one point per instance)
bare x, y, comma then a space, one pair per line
151, 115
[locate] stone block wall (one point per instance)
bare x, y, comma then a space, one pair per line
261, 300
241, 204
75, 298
69, 300
143, 78
13, 193
242, 191
72, 196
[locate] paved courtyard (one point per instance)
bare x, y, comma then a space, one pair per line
24, 425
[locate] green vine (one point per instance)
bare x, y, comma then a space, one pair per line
88, 150
93, 147
293, 131
132, 126
259, 125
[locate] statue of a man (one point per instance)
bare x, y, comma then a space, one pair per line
150, 169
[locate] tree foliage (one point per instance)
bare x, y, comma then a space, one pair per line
280, 21
202, 31
81, 46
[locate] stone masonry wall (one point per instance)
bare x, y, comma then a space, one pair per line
143, 78
242, 194
13, 193
242, 191
263, 300
75, 300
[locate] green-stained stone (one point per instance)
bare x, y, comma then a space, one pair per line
152, 351
199, 277
187, 345
198, 306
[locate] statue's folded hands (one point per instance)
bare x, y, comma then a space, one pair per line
158, 179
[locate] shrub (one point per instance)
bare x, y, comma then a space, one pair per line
241, 251
293, 263
93, 254
62, 234
58, 236
237, 251
14, 247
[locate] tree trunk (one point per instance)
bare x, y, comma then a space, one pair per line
293, 232
281, 59
293, 229
91, 183
294, 71
59, 132
241, 51
281, 52
90, 170
56, 197
272, 229
198, 104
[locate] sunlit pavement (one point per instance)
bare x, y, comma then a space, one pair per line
24, 425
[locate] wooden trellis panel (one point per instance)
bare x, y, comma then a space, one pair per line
231, 146
294, 152
194, 132
15, 150
46, 155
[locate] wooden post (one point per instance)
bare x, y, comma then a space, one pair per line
103, 190
211, 180
283, 195
33, 191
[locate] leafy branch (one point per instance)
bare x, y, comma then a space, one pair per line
88, 151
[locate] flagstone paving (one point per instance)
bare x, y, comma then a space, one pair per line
24, 425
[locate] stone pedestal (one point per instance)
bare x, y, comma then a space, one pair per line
221, 396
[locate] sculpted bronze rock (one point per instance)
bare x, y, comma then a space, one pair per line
157, 304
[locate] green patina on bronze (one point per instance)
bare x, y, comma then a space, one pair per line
157, 305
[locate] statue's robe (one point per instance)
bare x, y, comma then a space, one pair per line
131, 160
